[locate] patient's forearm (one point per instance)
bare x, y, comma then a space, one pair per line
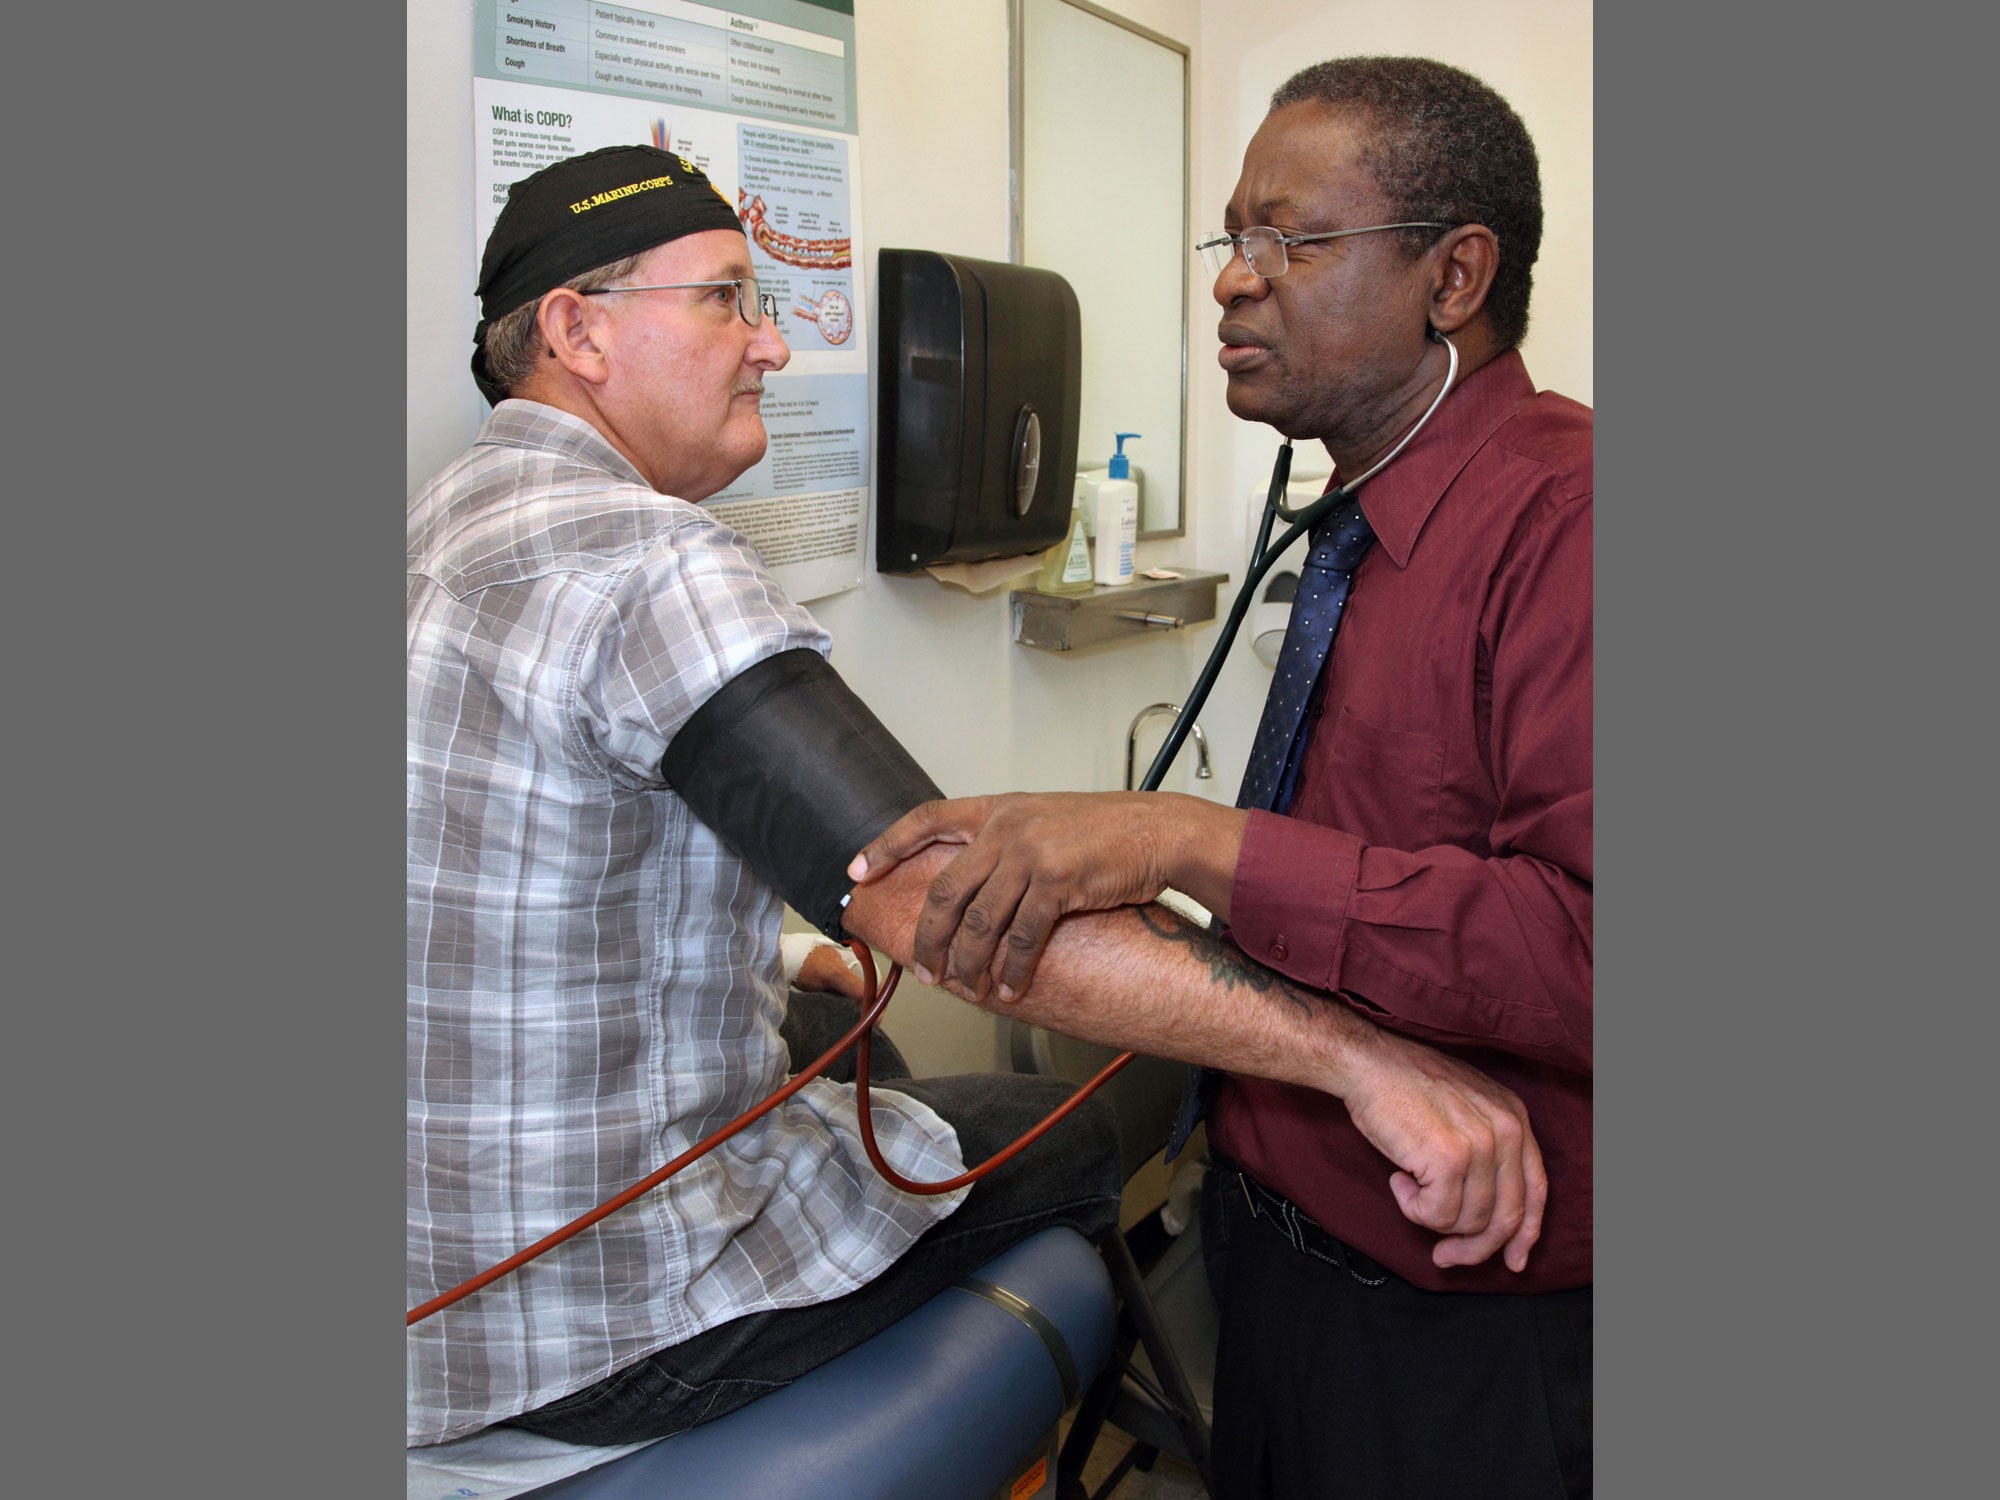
1146, 979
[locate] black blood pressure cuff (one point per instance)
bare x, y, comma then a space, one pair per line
793, 772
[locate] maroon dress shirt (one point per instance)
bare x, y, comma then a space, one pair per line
1435, 864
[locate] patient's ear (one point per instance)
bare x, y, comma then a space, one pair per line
575, 330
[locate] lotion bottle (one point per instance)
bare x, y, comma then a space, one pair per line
1117, 519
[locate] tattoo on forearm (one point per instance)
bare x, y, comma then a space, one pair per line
1227, 965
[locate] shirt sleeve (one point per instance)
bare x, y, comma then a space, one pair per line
698, 608
1442, 943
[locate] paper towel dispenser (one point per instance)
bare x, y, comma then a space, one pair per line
981, 383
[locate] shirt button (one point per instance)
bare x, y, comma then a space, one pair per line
1279, 951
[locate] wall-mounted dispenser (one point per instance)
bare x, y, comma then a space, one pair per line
1271, 615
981, 382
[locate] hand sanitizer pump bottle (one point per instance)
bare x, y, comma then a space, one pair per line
1066, 565
1117, 518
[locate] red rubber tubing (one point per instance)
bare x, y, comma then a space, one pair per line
876, 1002
971, 1174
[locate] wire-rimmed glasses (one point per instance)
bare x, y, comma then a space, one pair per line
752, 305
1264, 247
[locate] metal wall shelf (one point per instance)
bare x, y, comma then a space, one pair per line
1106, 615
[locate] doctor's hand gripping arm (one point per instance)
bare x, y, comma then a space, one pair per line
1025, 861
1140, 977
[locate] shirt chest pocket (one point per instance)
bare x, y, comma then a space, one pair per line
1388, 784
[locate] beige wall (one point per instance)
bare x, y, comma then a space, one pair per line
981, 713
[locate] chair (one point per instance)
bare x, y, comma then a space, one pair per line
1159, 1385
958, 1401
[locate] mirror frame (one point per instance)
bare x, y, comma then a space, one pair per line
1017, 90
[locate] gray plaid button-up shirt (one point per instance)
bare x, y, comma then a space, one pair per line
593, 977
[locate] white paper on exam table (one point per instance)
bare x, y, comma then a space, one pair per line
499, 1462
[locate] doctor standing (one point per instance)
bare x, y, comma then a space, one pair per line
1411, 854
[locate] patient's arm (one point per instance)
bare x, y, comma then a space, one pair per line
1142, 978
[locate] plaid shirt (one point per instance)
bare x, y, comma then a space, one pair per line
594, 980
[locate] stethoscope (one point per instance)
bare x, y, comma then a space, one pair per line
877, 997
1263, 556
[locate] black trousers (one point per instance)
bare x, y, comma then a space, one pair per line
1070, 1176
1334, 1376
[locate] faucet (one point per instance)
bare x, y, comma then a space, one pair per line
1202, 770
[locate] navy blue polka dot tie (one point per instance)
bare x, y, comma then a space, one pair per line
1325, 577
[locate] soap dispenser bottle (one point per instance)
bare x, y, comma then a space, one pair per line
1117, 518
1066, 565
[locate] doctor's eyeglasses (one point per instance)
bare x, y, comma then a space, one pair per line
753, 306
1264, 248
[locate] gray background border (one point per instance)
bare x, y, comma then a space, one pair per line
1794, 832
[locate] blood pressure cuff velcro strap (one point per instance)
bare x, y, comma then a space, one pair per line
793, 772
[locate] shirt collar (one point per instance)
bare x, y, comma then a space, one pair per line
1401, 498
516, 423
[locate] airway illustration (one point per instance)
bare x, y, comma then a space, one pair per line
812, 255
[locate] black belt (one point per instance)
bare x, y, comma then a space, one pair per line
1296, 1225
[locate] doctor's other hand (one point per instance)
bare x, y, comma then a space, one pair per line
1029, 859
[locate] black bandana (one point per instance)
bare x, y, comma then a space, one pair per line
586, 212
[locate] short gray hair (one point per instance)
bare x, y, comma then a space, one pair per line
514, 343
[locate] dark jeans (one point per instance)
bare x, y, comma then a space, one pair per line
1070, 1176
1334, 1376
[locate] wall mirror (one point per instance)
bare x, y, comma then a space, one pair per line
1100, 195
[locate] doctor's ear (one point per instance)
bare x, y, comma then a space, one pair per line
1466, 259
571, 326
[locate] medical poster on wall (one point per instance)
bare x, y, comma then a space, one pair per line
760, 96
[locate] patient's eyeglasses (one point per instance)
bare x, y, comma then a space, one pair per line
1264, 247
753, 306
